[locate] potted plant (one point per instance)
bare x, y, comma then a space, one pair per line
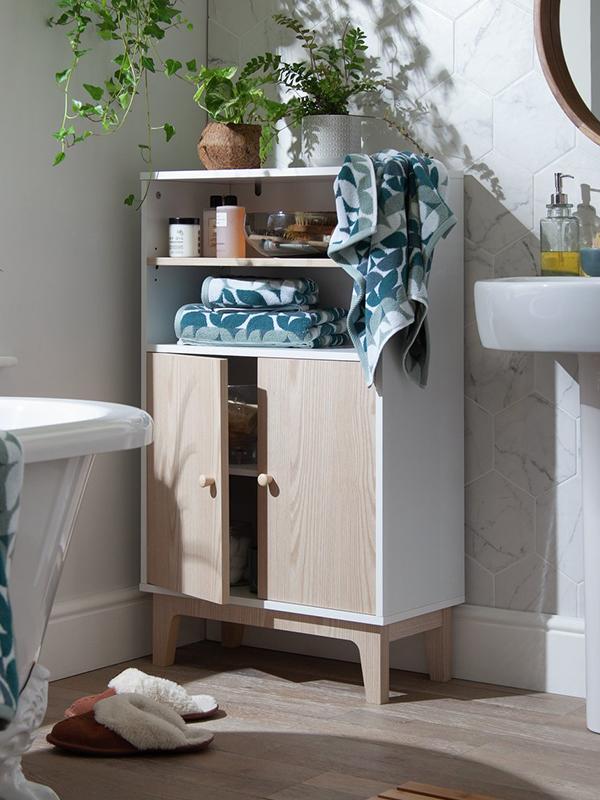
327, 81
243, 119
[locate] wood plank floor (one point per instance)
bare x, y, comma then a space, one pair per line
297, 728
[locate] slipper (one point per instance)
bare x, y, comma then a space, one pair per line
191, 707
128, 725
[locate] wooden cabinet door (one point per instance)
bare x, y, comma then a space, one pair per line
188, 524
317, 514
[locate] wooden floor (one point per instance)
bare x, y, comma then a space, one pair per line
297, 728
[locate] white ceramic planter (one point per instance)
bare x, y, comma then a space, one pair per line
328, 138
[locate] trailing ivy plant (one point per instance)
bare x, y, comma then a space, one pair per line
331, 76
134, 28
241, 101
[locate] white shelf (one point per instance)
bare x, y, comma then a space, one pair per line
300, 263
242, 175
243, 470
254, 175
318, 354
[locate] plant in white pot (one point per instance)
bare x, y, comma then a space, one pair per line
324, 86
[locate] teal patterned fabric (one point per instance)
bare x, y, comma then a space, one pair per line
319, 327
218, 292
391, 213
11, 480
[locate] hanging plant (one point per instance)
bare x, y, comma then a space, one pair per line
134, 27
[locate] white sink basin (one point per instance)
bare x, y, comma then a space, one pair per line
555, 315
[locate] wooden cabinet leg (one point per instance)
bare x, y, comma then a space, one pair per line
232, 634
438, 649
165, 629
374, 649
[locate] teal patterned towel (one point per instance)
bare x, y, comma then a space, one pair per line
258, 292
391, 214
319, 327
11, 479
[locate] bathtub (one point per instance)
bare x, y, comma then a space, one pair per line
60, 439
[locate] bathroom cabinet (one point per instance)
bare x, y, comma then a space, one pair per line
356, 495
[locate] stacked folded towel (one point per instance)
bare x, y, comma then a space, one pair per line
261, 312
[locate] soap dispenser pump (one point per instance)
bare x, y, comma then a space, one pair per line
559, 234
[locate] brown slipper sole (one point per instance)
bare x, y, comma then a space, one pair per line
82, 734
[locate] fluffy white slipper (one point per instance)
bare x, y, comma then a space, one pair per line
164, 691
128, 725
148, 724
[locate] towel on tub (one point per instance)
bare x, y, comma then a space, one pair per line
391, 213
317, 327
218, 292
11, 480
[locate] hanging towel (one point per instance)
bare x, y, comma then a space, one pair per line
391, 213
220, 292
11, 479
319, 327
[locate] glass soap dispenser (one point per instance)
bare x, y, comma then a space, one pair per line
559, 234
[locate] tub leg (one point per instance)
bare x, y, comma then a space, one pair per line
17, 738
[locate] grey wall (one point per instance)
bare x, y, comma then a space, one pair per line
488, 111
69, 289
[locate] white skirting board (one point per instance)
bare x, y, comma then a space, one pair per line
520, 649
511, 648
99, 630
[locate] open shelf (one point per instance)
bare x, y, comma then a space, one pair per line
223, 351
164, 261
243, 175
243, 470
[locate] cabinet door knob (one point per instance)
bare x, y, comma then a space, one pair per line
206, 481
264, 479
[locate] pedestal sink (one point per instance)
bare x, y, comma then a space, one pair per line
561, 315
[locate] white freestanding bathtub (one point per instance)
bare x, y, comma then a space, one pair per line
60, 439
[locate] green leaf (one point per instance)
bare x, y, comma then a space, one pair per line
172, 66
191, 65
58, 158
61, 77
148, 63
169, 131
95, 92
128, 201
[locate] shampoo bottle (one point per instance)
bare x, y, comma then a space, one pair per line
559, 234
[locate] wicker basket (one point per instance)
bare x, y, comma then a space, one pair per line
229, 146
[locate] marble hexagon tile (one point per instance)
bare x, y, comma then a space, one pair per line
479, 441
559, 528
529, 126
493, 378
499, 522
534, 585
535, 444
483, 36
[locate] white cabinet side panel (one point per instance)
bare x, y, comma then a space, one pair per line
423, 444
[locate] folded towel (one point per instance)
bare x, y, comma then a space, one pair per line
319, 327
391, 214
258, 292
11, 479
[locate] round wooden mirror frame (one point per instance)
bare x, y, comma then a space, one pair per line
552, 58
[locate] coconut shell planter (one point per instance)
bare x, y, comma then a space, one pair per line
231, 146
